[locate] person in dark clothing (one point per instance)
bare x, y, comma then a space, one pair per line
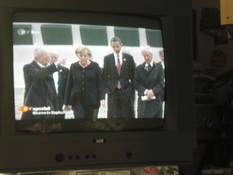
40, 99
149, 83
118, 77
85, 90
60, 77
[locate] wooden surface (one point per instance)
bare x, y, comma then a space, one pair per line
226, 11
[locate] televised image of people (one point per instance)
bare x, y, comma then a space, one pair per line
50, 86
40, 98
161, 56
85, 91
162, 59
118, 77
149, 84
60, 77
104, 80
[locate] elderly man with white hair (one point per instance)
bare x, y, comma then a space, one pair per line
40, 95
60, 77
149, 83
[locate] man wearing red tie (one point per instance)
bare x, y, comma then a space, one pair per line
118, 76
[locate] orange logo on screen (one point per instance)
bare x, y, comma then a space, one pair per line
25, 108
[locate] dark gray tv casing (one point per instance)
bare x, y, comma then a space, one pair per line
173, 145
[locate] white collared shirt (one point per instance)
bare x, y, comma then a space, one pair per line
151, 64
163, 64
41, 65
55, 78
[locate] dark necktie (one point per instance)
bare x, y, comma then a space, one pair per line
119, 71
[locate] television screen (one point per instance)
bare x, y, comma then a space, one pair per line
43, 96
110, 58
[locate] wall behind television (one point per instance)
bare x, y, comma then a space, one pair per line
207, 43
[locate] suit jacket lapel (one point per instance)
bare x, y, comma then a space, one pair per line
35, 64
123, 63
113, 63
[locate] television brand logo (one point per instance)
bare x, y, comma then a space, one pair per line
99, 141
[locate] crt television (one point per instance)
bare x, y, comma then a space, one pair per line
71, 143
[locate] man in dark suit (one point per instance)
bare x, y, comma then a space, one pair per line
161, 56
162, 59
149, 83
60, 77
40, 99
118, 76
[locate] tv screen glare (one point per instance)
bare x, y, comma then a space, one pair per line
52, 139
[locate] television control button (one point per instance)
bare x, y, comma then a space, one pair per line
128, 155
70, 157
93, 156
59, 158
87, 156
77, 156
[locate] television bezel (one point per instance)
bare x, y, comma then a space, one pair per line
172, 145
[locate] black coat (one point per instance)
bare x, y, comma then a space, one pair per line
119, 104
84, 85
152, 79
110, 74
39, 88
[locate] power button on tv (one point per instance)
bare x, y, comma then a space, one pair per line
59, 157
128, 155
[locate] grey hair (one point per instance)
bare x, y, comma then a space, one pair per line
40, 51
161, 52
53, 51
146, 49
